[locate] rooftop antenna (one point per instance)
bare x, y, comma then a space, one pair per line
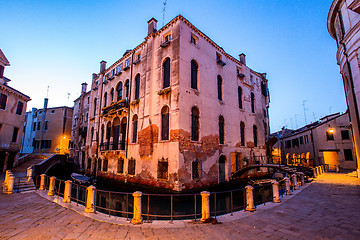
296, 120
47, 92
292, 126
68, 96
164, 9
305, 109
314, 117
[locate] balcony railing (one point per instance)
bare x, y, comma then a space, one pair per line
112, 146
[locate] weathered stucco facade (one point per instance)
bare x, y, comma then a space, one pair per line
343, 24
47, 130
327, 141
176, 112
79, 127
12, 117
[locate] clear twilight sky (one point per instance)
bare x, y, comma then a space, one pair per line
60, 44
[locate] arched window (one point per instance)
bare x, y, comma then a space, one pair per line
240, 97
127, 88
102, 135
135, 126
165, 123
221, 130
92, 134
195, 124
242, 134
219, 87
123, 133
252, 103
194, 74
112, 95
108, 135
95, 103
137, 86
105, 99
116, 133
166, 77
255, 136
119, 91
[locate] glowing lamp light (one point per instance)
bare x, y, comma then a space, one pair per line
331, 130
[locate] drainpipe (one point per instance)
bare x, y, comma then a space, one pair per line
128, 122
351, 82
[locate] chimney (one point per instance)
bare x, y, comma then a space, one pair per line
83, 87
242, 58
152, 26
102, 66
94, 75
264, 75
45, 103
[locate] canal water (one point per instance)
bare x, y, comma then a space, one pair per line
224, 198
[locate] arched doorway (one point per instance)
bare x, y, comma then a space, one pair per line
222, 161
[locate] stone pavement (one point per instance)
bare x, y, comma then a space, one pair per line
327, 209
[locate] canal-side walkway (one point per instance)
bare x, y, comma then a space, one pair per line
327, 209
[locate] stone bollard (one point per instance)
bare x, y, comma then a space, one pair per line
67, 192
294, 181
7, 174
10, 184
90, 199
42, 182
275, 187
137, 208
29, 173
51, 186
287, 186
302, 178
205, 206
250, 198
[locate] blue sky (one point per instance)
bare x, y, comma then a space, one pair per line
60, 44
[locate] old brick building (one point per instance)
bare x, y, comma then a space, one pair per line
79, 127
176, 111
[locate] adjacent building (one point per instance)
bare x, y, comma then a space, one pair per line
177, 111
343, 24
79, 131
327, 141
47, 130
12, 117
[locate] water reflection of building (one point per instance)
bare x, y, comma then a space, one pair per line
327, 141
343, 24
47, 130
12, 117
176, 111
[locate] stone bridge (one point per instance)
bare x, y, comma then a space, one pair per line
49, 163
241, 171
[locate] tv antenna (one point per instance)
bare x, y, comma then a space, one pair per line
296, 120
47, 92
305, 109
164, 9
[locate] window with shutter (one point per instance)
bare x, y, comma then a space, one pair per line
194, 75
221, 130
195, 124
165, 123
219, 87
